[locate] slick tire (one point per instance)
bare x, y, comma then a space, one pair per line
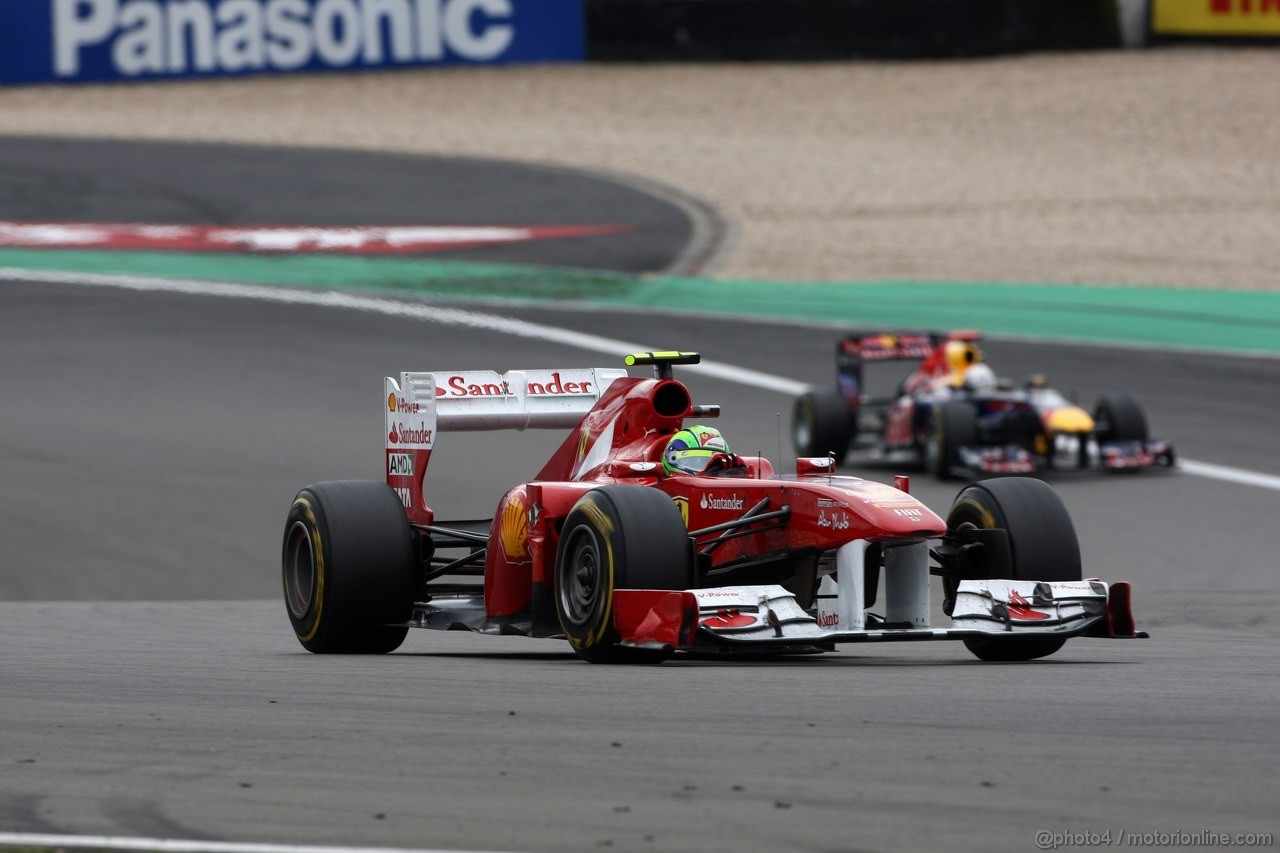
348, 568
617, 537
1120, 418
953, 424
820, 425
1042, 547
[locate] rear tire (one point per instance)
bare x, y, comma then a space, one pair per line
1120, 418
617, 537
820, 425
348, 568
953, 424
1042, 544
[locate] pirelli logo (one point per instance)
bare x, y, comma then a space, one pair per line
1216, 17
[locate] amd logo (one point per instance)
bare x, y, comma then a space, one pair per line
400, 464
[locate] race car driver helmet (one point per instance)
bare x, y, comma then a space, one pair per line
690, 449
960, 356
980, 379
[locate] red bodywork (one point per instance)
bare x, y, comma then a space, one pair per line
620, 440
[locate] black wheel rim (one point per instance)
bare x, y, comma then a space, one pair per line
299, 571
582, 578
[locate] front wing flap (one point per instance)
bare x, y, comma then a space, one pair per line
1000, 459
750, 618
1122, 455
1067, 454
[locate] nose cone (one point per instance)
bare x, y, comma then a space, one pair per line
1070, 419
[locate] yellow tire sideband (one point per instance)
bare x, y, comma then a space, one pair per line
317, 553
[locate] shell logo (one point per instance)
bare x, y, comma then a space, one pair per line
682, 504
514, 533
391, 402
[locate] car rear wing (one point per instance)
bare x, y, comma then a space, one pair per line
887, 346
860, 348
420, 405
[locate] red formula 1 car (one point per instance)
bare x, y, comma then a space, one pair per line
953, 414
630, 563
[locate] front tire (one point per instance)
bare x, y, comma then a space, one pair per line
953, 424
1042, 547
617, 537
820, 425
1120, 418
348, 568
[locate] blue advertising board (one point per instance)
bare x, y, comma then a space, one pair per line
51, 41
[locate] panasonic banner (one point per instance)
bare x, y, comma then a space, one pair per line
93, 40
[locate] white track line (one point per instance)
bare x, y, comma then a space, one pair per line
108, 842
413, 310
1230, 475
505, 325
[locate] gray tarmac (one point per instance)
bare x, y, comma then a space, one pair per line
46, 179
205, 720
150, 685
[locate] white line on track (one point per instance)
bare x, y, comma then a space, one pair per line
505, 325
413, 310
1230, 475
169, 845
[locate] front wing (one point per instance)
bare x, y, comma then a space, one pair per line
1067, 453
768, 618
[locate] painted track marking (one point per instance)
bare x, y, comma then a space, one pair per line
1230, 475
170, 845
505, 325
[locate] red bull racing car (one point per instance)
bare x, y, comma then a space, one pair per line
645, 535
954, 415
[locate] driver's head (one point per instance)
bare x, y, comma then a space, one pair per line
689, 450
960, 356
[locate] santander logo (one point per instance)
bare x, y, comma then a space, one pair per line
409, 434
462, 385
732, 502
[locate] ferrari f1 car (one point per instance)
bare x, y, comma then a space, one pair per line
953, 414
629, 563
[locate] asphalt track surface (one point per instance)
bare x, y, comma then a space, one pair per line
63, 180
150, 684
150, 444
